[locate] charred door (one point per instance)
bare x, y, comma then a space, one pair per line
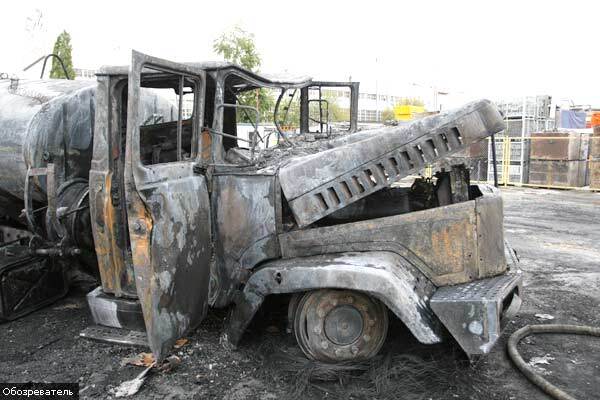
167, 201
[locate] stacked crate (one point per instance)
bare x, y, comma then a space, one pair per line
558, 159
535, 107
594, 165
522, 116
517, 169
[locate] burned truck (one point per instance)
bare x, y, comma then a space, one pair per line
179, 213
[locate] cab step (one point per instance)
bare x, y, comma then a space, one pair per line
106, 334
475, 313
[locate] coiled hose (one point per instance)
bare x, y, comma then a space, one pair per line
527, 370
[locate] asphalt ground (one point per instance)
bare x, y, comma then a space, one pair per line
556, 235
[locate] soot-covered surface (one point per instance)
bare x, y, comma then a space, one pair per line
557, 236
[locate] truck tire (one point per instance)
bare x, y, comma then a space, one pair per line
339, 325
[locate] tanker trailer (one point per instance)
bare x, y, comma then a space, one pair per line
46, 136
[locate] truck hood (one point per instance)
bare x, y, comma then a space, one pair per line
362, 163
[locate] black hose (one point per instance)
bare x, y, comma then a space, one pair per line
527, 370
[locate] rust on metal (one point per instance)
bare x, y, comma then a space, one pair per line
186, 212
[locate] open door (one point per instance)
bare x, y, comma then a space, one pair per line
168, 209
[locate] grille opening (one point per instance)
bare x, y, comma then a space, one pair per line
406, 157
394, 163
333, 195
358, 184
456, 133
321, 201
370, 177
432, 146
445, 141
420, 152
381, 169
346, 189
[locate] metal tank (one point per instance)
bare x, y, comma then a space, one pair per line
46, 142
50, 121
42, 121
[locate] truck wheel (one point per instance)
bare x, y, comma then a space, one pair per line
339, 325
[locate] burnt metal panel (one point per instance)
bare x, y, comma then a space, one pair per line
106, 183
490, 234
169, 224
169, 227
111, 335
453, 186
476, 312
376, 159
244, 209
115, 312
478, 167
383, 275
270, 80
44, 121
107, 203
443, 242
304, 116
28, 283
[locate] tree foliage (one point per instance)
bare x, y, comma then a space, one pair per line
289, 109
411, 101
336, 113
332, 112
237, 46
388, 115
62, 48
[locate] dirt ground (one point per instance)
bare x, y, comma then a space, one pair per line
557, 237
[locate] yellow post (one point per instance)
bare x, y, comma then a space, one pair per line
506, 160
428, 171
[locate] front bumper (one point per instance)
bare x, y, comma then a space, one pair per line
475, 313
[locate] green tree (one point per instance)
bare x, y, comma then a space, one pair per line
336, 113
237, 46
411, 101
289, 109
388, 115
62, 48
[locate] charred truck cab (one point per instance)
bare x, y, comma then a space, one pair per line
189, 213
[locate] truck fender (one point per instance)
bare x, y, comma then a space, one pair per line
384, 275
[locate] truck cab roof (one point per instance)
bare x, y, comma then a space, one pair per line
286, 81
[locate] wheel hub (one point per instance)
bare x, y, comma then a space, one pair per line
339, 325
343, 325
